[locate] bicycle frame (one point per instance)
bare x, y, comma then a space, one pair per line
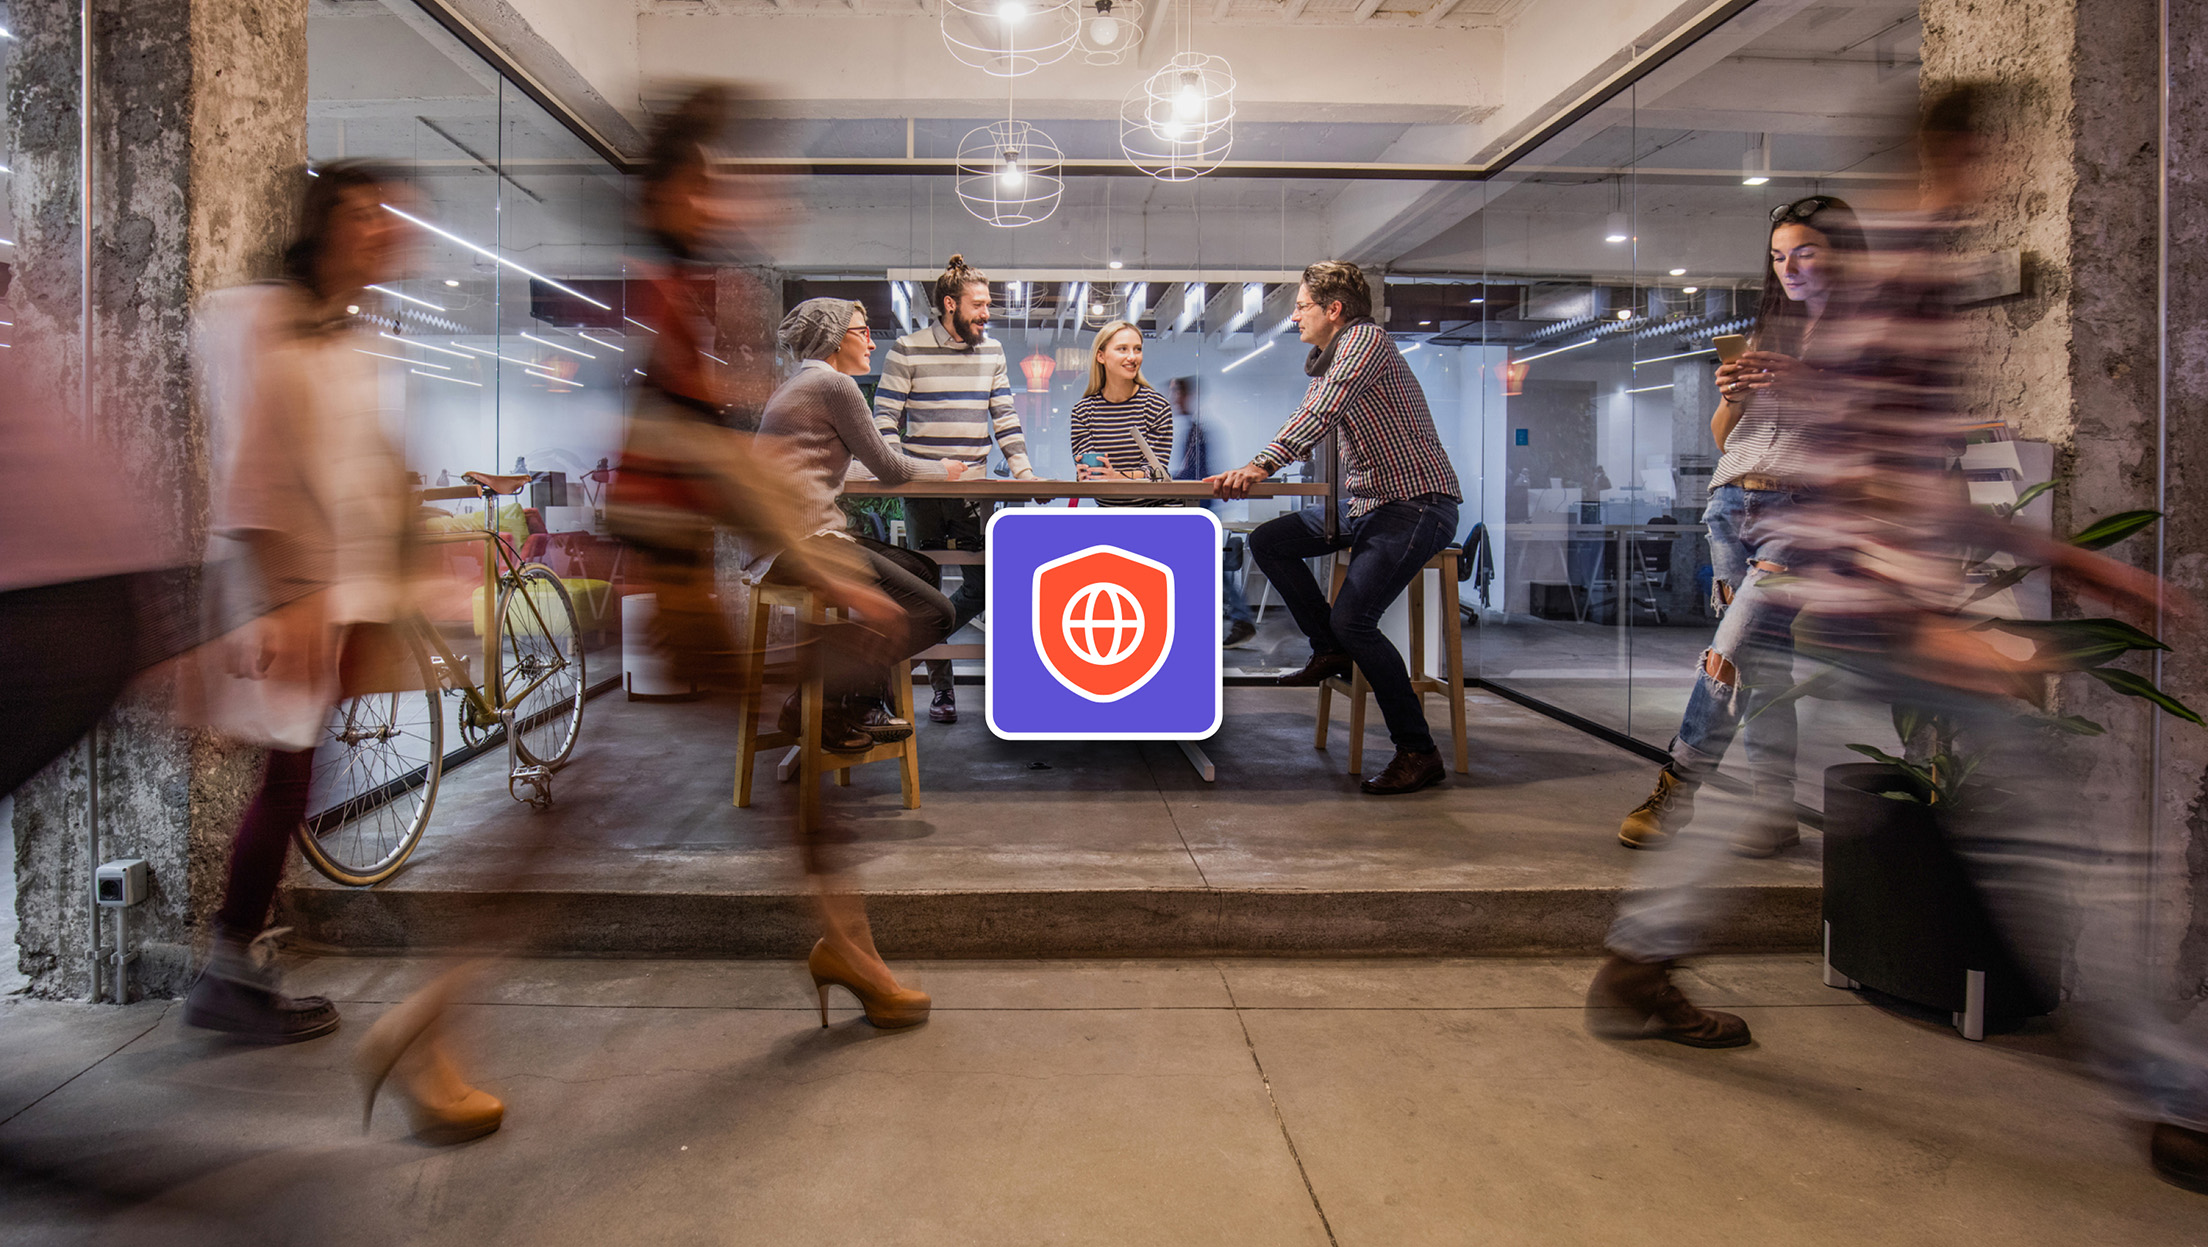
486, 702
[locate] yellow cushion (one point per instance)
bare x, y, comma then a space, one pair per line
580, 592
510, 521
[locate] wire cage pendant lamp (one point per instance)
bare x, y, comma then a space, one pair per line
1009, 172
1111, 30
1178, 123
1009, 38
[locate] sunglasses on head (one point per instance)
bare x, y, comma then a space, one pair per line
1801, 209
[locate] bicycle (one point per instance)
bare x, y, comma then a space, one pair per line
377, 767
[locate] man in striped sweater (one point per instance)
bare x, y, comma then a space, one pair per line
945, 395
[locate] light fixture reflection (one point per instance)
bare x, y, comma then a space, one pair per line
494, 257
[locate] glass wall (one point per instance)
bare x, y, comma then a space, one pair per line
1559, 317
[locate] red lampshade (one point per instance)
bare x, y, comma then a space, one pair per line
1038, 368
1514, 377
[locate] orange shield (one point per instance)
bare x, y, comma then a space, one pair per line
1103, 620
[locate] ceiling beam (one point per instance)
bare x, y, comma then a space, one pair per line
1293, 10
1367, 9
1441, 10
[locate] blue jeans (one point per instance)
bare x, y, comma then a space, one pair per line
1233, 604
1389, 545
1755, 636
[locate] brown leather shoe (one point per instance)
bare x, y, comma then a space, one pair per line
1321, 668
1655, 821
1408, 771
1636, 1000
2180, 1155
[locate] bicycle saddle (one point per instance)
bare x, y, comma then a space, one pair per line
497, 484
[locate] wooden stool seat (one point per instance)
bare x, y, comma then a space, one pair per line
804, 745
1452, 630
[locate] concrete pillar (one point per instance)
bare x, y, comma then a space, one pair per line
2074, 359
199, 144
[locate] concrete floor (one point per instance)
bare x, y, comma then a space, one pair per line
1184, 1102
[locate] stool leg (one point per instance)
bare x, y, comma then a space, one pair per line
808, 759
1452, 636
1418, 627
1357, 721
748, 699
908, 758
1326, 709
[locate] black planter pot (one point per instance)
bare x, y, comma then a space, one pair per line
1901, 915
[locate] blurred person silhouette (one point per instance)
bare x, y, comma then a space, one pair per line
682, 475
311, 542
1193, 437
1764, 427
1879, 550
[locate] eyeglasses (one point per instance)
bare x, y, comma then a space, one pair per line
1802, 209
1302, 306
860, 329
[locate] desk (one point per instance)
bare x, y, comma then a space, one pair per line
1570, 552
994, 490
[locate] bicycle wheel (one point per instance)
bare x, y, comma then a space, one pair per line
540, 665
375, 780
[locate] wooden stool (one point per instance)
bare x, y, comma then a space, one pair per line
806, 758
1452, 629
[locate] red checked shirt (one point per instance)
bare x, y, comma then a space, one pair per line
1389, 447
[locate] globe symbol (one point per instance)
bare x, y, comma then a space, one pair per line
1104, 608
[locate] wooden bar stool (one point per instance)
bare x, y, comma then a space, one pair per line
1452, 631
806, 759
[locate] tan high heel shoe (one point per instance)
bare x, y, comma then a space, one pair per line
406, 1047
888, 1008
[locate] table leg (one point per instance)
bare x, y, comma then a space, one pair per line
1198, 759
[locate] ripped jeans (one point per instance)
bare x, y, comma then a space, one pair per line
1751, 658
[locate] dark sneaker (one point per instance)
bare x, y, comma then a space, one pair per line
2180, 1155
944, 709
237, 994
1636, 1000
1239, 635
875, 720
1408, 771
840, 732
1768, 832
1322, 667
1653, 823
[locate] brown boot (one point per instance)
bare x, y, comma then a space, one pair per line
1408, 771
1636, 1000
1652, 824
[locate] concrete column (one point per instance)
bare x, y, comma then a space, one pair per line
2074, 359
199, 143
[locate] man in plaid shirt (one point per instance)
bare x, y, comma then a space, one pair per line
1400, 508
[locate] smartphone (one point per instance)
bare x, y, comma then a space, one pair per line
1093, 460
1729, 346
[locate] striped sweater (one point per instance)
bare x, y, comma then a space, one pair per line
942, 399
1119, 431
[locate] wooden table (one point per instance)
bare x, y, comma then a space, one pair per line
991, 489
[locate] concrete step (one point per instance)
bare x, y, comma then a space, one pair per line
1056, 849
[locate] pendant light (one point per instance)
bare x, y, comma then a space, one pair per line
1009, 38
1009, 172
1111, 30
1178, 123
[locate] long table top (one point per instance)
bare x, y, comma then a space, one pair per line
1014, 491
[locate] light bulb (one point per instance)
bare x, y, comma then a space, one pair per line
1096, 309
352, 309
450, 282
1625, 313
1116, 264
1172, 129
1104, 28
1188, 102
1689, 289
1011, 177
1678, 272
1011, 10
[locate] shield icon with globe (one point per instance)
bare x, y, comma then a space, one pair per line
1103, 620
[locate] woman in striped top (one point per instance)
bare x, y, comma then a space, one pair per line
1121, 418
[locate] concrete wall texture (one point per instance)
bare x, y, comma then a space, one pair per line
199, 147
2074, 361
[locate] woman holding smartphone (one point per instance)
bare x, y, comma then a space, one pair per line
1763, 426
1122, 427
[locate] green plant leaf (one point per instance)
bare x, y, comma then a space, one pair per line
2080, 642
2075, 725
2107, 531
2003, 579
1877, 754
1906, 720
2139, 686
2024, 497
1909, 797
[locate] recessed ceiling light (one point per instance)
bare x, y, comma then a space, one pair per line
1424, 323
1678, 272
1758, 180
451, 282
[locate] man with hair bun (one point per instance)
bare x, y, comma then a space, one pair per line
945, 395
1399, 500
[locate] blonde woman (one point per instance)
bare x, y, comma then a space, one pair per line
1122, 427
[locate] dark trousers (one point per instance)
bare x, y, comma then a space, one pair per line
851, 657
1388, 546
952, 524
263, 840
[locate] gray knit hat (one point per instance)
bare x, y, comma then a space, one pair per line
815, 328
